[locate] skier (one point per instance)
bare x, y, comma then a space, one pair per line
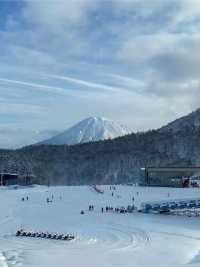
102, 210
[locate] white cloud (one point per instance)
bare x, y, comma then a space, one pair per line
55, 14
188, 11
146, 47
143, 8
167, 56
177, 11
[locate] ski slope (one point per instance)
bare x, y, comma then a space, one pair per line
102, 239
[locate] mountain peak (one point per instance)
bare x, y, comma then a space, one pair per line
89, 130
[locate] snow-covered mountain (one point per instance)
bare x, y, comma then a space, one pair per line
90, 129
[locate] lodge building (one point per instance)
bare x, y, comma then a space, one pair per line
7, 179
171, 176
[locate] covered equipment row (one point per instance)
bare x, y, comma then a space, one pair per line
167, 206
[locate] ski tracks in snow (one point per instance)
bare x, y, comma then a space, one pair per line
111, 238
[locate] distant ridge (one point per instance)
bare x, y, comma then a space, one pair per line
89, 130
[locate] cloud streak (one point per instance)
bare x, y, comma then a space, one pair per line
36, 86
88, 84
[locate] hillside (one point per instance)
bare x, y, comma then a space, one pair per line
191, 122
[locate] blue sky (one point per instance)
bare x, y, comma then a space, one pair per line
134, 61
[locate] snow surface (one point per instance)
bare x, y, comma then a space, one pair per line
102, 240
90, 129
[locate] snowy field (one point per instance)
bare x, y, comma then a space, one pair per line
102, 240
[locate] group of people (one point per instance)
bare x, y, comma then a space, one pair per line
112, 187
57, 236
129, 209
25, 198
48, 199
107, 209
91, 207
51, 198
